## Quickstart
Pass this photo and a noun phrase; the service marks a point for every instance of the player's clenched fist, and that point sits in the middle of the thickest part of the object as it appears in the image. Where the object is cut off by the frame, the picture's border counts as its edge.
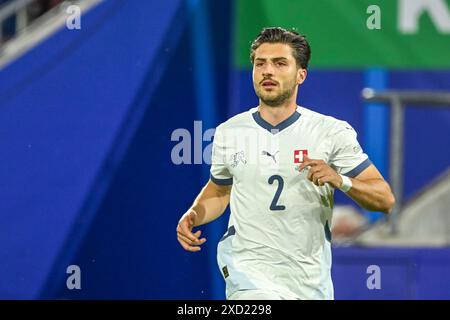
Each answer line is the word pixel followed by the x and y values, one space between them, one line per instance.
pixel 188 240
pixel 320 173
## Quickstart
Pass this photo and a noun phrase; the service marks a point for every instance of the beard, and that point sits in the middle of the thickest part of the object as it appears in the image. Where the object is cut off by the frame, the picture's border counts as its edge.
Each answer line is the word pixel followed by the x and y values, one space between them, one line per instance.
pixel 280 98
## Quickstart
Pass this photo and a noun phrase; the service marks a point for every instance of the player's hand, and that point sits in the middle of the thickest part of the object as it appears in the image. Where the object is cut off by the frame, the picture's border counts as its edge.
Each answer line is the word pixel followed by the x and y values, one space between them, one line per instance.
pixel 188 240
pixel 320 172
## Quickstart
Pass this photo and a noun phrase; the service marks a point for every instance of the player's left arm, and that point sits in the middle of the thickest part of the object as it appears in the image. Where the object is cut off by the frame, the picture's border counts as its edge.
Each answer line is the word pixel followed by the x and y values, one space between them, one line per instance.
pixel 369 189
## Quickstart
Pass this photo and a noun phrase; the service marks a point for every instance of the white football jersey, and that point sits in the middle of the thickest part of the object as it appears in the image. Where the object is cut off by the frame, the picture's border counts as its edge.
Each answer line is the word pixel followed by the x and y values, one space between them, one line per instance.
pixel 278 235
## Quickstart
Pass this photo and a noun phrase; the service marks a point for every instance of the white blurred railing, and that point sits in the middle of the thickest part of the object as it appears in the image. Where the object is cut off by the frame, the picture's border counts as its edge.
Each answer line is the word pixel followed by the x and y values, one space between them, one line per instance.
pixel 39 27
pixel 398 101
pixel 18 9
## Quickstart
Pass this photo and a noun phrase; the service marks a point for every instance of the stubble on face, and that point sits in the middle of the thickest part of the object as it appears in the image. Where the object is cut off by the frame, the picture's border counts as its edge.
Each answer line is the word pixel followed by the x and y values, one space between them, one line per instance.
pixel 273 99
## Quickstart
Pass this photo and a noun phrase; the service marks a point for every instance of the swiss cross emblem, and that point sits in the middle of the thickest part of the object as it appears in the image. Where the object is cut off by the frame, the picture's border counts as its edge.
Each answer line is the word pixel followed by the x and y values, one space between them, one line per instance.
pixel 299 154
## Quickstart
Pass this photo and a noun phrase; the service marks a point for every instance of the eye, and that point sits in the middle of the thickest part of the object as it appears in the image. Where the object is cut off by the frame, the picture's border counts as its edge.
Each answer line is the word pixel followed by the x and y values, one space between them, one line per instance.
pixel 281 63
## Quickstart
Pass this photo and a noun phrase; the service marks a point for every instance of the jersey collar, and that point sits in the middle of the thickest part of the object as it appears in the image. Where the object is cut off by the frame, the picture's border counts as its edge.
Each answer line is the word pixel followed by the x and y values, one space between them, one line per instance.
pixel 281 126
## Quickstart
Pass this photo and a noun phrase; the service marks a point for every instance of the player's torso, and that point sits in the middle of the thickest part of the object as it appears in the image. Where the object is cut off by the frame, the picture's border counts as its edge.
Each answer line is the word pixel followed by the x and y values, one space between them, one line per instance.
pixel 271 200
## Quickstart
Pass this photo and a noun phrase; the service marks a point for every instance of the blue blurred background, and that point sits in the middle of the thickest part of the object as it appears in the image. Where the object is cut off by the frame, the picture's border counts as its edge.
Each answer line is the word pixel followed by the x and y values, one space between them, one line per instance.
pixel 87 178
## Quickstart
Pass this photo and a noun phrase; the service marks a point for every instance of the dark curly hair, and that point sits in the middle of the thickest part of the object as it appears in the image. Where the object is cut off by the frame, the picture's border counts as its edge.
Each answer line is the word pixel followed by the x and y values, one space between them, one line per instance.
pixel 300 47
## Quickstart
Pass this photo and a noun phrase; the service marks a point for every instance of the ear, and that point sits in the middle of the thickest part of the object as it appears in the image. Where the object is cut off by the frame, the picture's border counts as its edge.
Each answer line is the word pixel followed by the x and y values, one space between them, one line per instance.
pixel 301 75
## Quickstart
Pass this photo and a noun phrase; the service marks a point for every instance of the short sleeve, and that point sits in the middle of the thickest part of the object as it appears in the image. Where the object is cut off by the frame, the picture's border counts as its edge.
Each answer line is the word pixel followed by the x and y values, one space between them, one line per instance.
pixel 219 171
pixel 347 157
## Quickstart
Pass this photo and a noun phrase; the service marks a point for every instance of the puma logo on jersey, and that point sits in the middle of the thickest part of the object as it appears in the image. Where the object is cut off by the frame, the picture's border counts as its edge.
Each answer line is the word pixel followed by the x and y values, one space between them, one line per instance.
pixel 266 153
pixel 237 158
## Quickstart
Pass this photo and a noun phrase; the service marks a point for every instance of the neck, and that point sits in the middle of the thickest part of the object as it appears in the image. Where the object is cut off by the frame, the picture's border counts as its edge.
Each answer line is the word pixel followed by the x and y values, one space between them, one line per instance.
pixel 277 114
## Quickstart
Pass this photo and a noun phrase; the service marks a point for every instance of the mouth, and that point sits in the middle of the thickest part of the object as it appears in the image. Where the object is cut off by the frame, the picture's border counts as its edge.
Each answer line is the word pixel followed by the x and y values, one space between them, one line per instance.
pixel 268 84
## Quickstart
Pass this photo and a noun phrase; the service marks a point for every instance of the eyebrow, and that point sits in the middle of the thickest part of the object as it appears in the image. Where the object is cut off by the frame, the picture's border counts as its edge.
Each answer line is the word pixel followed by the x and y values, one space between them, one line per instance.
pixel 273 59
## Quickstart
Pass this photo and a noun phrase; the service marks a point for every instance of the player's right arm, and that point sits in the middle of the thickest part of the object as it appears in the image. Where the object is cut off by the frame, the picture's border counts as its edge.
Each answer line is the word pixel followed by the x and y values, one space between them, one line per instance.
pixel 210 204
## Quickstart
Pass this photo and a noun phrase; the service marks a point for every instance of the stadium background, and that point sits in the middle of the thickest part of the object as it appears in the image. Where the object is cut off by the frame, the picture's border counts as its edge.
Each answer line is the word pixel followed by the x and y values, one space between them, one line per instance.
pixel 87 117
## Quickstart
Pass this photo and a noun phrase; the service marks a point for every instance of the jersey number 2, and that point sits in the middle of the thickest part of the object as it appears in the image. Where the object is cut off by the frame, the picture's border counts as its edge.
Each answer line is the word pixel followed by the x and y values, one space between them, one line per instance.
pixel 274 206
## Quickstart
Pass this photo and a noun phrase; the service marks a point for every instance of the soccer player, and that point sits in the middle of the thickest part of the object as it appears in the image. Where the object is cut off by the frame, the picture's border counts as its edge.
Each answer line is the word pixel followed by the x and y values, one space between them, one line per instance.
pixel 278 165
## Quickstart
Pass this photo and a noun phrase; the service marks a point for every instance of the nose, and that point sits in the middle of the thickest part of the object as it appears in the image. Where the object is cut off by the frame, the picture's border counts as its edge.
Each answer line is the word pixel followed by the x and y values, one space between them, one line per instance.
pixel 268 70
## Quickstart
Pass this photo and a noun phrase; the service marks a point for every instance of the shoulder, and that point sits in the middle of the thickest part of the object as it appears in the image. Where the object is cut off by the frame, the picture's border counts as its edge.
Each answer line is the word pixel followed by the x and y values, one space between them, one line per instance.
pixel 327 123
pixel 240 120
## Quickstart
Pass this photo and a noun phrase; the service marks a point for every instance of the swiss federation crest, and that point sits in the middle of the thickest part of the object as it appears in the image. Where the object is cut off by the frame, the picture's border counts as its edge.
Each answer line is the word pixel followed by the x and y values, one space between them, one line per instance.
pixel 299 156
pixel 237 158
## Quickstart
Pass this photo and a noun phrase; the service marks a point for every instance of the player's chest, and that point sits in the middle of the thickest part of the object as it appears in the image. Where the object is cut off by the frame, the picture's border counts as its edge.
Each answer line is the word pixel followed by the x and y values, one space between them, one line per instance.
pixel 270 155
